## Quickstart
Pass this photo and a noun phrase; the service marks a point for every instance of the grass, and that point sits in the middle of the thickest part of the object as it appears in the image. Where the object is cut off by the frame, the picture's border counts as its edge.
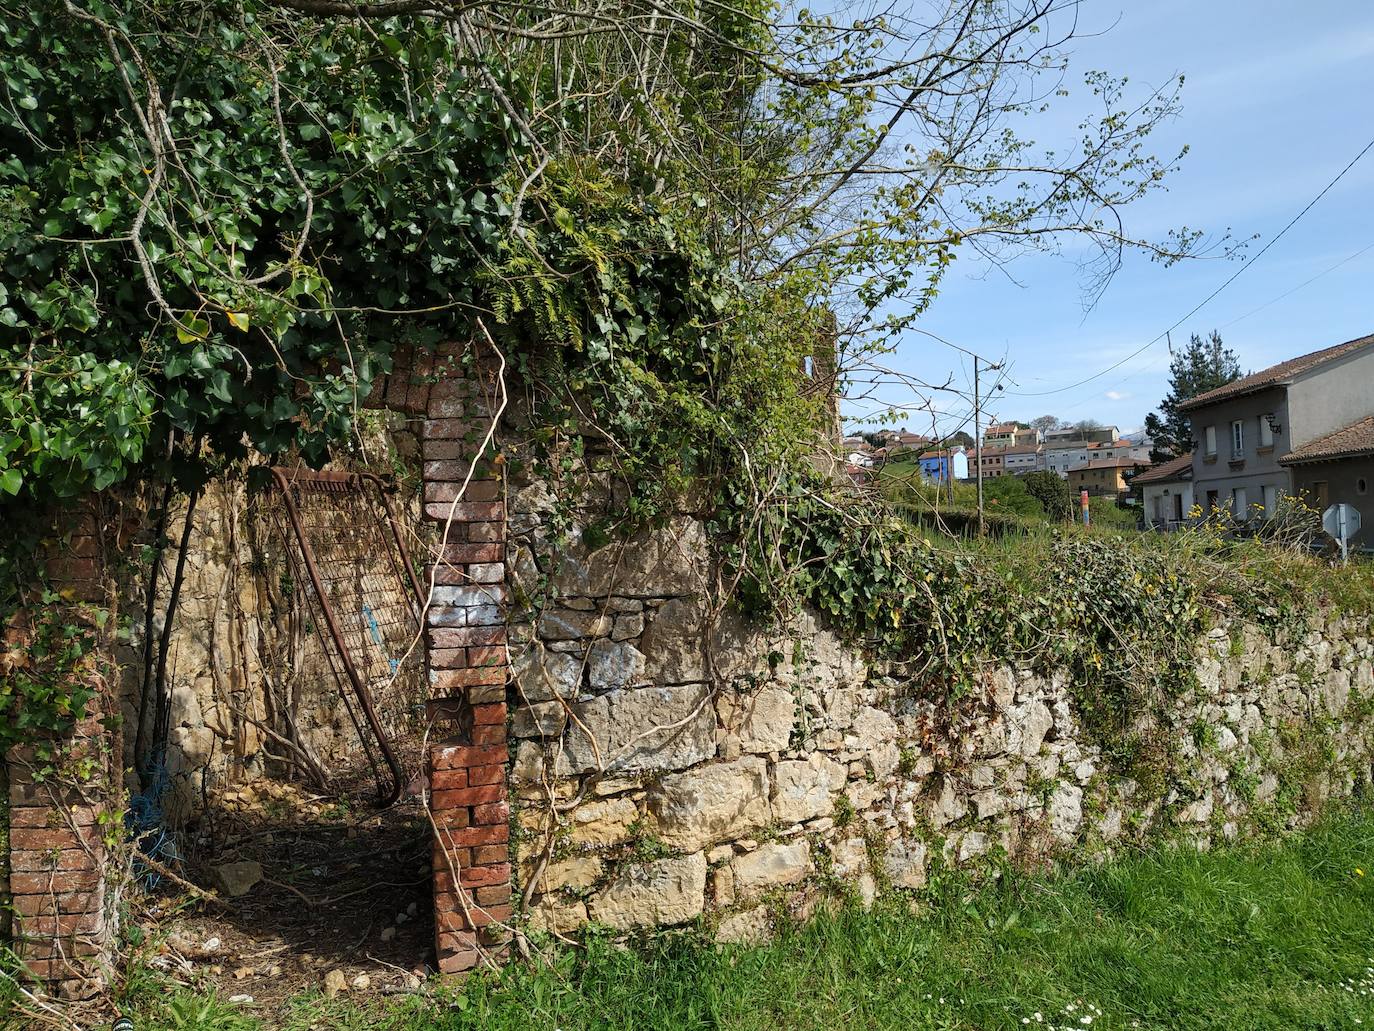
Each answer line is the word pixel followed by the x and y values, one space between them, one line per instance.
pixel 1246 938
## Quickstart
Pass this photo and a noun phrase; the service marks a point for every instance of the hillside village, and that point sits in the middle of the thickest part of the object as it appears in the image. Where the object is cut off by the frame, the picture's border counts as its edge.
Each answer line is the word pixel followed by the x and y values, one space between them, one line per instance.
pixel 1302 429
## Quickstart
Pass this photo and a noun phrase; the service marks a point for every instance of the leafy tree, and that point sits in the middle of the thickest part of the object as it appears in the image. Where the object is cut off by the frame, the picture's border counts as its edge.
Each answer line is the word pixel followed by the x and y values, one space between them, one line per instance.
pixel 1010 496
pixel 1052 492
pixel 1201 366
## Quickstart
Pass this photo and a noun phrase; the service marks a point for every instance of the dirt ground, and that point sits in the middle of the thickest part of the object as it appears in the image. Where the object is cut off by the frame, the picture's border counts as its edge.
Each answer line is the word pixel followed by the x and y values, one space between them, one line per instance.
pixel 343 902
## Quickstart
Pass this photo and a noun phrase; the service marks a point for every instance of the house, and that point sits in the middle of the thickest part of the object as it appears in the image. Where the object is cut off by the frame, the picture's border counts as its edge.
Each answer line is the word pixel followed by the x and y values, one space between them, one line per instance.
pixel 1020 459
pixel 1009 434
pixel 1167 493
pixel 1339 469
pixel 991 462
pixel 1060 456
pixel 1242 430
pixel 1071 435
pixel 1102 476
pixel 945 465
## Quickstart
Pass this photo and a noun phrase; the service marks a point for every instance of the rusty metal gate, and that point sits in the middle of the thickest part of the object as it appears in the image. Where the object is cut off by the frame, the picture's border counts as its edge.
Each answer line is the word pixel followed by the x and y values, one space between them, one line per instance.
pixel 347 572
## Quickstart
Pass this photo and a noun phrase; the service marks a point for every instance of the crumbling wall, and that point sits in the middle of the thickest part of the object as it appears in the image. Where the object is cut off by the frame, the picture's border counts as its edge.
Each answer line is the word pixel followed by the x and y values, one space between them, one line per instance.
pixel 247 677
pixel 673 764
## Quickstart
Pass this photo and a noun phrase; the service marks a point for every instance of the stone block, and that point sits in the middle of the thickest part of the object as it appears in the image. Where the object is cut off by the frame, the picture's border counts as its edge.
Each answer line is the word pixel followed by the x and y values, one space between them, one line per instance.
pixel 641 730
pixel 805 788
pixel 711 804
pixel 771 865
pixel 759 721
pixel 662 892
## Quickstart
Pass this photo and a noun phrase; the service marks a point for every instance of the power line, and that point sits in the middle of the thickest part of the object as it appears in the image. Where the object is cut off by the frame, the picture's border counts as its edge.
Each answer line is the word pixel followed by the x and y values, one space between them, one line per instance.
pixel 1212 296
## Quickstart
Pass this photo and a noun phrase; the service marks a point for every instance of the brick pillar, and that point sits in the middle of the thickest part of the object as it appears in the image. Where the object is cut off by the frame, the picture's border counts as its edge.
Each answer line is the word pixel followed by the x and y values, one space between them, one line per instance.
pixel 63 802
pixel 468 671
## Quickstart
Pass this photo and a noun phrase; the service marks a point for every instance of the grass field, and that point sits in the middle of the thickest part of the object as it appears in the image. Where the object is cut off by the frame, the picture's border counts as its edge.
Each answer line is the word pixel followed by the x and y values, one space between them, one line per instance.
pixel 1278 936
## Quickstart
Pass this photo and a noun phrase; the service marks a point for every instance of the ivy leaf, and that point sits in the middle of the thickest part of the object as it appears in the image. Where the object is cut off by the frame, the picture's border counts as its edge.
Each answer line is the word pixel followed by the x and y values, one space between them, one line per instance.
pixel 11 480
pixel 239 320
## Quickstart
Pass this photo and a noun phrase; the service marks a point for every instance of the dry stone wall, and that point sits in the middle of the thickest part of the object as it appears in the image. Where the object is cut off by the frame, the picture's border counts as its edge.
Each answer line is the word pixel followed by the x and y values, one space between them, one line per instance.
pixel 673 765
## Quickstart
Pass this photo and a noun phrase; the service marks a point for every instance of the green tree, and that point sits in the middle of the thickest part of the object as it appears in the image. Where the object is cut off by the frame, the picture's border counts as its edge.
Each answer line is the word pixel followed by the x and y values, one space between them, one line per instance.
pixel 1201 366
pixel 1052 492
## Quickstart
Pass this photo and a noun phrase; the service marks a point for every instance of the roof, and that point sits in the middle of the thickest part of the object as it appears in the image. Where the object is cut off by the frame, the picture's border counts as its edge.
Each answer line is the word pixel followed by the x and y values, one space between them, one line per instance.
pixel 1021 449
pixel 1180 468
pixel 1108 463
pixel 1275 375
pixel 1356 439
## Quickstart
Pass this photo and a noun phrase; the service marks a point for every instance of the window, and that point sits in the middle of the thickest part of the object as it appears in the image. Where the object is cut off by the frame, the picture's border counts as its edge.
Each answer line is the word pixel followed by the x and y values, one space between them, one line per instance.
pixel 1210 439
pixel 1321 492
pixel 1266 431
pixel 1238 503
pixel 1211 501
pixel 1237 438
pixel 1361 486
pixel 1271 501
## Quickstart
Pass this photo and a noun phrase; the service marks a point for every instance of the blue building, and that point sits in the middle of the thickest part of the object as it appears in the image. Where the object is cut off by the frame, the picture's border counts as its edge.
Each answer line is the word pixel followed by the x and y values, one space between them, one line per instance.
pixel 942 466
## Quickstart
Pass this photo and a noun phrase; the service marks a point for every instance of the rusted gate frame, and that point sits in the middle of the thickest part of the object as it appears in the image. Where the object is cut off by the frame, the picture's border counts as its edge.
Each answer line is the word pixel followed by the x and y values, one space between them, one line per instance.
pixel 345 483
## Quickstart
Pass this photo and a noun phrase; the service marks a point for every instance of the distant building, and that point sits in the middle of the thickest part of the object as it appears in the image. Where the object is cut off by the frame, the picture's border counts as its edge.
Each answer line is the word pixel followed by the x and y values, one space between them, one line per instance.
pixel 1073 435
pixel 1022 458
pixel 991 460
pixel 1008 434
pixel 1102 476
pixel 1167 493
pixel 944 465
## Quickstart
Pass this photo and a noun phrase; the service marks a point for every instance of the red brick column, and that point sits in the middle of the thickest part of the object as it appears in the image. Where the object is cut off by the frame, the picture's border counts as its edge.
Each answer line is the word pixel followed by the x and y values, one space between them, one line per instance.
pixel 63 802
pixel 468 669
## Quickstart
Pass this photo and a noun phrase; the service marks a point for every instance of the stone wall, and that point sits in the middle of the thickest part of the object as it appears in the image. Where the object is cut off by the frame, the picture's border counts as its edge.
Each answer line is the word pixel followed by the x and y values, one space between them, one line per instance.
pixel 250 685
pixel 672 764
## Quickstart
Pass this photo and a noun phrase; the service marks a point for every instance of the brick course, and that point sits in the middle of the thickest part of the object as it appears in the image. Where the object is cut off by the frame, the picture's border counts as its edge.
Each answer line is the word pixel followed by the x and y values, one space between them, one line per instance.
pixel 468 672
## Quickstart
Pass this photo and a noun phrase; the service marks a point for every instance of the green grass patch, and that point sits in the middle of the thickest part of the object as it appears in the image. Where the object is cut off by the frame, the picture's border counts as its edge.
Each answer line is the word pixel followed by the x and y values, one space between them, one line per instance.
pixel 1276 936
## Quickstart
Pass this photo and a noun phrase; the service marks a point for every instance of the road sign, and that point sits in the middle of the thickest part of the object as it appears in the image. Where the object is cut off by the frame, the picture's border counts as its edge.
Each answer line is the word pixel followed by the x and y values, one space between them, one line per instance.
pixel 1342 522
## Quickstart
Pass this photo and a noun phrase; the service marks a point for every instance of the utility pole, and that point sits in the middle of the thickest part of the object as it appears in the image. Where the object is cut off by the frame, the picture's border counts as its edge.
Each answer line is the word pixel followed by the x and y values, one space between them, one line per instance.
pixel 978 446
pixel 978 434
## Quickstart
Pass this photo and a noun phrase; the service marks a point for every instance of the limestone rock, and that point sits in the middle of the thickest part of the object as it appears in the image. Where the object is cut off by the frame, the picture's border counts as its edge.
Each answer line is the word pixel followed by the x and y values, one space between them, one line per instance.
pixel 575 872
pixel 1027 727
pixel 713 803
pixel 545 676
pixel 772 864
pixel 613 665
pixel 603 822
pixel 653 564
pixel 905 864
pixel 804 789
pixel 1066 811
pixel 557 917
pixel 540 719
pixel 760 721
pixel 236 879
pixel 641 730
pixel 752 927
pixel 665 891
pixel 674 643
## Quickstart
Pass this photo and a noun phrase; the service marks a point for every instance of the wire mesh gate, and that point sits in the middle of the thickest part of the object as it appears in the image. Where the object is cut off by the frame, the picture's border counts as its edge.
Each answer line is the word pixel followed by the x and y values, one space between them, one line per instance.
pixel 354 602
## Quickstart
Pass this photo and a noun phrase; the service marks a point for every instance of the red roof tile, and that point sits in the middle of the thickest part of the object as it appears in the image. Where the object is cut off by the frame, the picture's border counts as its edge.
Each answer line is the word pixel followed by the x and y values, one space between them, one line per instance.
pixel 1276 374
pixel 1356 439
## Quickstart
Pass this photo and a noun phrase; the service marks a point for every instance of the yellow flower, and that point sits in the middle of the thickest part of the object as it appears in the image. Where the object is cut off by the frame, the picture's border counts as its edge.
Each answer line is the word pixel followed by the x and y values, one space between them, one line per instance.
pixel 1359 872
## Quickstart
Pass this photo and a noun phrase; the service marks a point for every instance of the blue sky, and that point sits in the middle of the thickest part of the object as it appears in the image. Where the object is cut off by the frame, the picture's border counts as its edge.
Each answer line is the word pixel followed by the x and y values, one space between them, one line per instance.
pixel 1279 97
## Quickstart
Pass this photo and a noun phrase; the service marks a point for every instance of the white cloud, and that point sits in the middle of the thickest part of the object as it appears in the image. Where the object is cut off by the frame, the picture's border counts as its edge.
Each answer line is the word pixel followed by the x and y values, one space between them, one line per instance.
pixel 1116 395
